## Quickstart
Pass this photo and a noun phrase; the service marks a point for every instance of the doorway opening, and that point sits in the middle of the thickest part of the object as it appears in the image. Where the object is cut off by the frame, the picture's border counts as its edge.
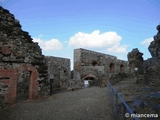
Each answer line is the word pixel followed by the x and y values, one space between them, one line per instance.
pixel 94 63
pixel 112 68
pixel 23 85
pixel 92 79
pixel 121 68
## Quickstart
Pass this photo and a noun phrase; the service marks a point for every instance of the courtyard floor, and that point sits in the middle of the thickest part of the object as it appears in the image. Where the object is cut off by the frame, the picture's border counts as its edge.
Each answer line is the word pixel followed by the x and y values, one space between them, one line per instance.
pixel 84 104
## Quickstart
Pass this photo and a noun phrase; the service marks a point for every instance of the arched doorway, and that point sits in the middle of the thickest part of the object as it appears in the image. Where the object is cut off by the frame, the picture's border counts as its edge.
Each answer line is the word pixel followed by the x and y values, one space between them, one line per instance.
pixel 112 67
pixel 121 68
pixel 93 80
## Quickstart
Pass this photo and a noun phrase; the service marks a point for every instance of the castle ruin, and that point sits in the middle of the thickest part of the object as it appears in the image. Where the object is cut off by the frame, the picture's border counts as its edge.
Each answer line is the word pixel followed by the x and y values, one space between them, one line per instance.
pixel 26 74
pixel 97 67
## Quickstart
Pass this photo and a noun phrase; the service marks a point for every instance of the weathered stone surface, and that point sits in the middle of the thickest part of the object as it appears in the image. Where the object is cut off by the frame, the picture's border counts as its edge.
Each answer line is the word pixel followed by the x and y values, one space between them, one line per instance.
pixel 116 78
pixel 150 77
pixel 19 53
pixel 6 59
pixel 15 39
pixel 6 50
pixel 74 84
pixel 3 89
pixel 98 64
pixel 152 65
pixel 154 47
pixel 135 60
pixel 152 71
pixel 59 68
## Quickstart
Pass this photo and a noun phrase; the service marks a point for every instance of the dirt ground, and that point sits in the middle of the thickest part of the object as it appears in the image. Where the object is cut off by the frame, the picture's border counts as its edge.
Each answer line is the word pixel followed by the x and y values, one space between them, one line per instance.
pixel 141 98
pixel 84 104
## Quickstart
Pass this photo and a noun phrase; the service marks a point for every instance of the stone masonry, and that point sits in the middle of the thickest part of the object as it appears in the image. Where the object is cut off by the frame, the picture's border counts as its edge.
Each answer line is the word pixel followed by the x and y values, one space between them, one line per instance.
pixel 59 69
pixel 135 61
pixel 148 70
pixel 152 65
pixel 147 77
pixel 26 74
pixel 95 66
pixel 21 62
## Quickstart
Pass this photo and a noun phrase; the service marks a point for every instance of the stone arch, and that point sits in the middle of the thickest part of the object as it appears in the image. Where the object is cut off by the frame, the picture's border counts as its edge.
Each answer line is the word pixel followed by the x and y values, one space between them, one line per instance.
pixel 93 80
pixel 90 76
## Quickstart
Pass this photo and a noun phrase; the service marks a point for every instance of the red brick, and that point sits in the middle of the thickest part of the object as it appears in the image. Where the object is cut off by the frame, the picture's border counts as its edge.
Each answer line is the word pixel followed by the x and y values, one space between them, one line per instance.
pixel 12 82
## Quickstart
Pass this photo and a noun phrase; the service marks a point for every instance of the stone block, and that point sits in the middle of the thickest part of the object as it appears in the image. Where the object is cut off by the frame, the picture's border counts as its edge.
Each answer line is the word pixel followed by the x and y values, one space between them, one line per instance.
pixel 6 50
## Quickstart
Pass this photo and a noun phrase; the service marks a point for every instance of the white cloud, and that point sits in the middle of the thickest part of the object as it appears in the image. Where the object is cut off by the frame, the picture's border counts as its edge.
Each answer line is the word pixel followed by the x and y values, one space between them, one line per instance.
pixel 108 40
pixel 53 44
pixel 118 49
pixel 146 42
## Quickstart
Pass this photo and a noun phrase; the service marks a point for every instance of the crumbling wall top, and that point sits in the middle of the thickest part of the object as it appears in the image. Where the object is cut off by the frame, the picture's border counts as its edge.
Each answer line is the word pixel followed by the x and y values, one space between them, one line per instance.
pixel 16 45
pixel 154 47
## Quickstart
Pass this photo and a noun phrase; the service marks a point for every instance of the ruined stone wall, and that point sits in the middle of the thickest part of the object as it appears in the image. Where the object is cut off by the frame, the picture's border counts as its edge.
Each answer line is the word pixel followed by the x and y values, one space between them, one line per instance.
pixel 152 65
pixel 21 61
pixel 95 63
pixel 60 69
pixel 148 70
pixel 135 61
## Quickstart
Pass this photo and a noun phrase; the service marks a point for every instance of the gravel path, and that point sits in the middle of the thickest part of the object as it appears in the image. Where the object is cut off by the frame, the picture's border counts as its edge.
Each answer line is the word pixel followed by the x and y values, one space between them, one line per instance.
pixel 84 104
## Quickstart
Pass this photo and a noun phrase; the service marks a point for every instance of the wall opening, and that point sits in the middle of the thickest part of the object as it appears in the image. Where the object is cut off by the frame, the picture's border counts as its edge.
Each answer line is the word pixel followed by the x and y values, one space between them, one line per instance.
pixel 4 78
pixel 92 79
pixel 89 78
pixel 94 63
pixel 112 68
pixel 23 86
pixel 121 68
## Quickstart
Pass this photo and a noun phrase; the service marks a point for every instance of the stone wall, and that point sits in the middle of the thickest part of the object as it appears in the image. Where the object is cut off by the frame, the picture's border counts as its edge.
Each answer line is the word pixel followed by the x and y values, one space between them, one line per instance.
pixel 100 65
pixel 148 70
pixel 147 77
pixel 22 65
pixel 135 60
pixel 152 65
pixel 60 69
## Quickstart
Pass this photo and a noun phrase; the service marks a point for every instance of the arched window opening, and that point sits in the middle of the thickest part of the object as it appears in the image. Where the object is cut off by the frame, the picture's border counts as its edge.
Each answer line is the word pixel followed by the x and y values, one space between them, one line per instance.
pixel 112 67
pixel 89 78
pixel 94 63
pixel 121 68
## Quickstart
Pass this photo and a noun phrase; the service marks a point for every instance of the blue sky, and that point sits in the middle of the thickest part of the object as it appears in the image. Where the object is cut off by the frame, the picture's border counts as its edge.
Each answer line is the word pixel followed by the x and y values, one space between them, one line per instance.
pixel 109 26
